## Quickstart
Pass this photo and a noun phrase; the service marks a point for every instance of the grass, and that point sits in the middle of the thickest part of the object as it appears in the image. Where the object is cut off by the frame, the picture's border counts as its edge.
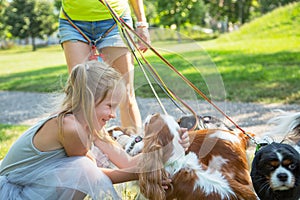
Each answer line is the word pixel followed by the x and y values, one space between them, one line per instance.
pixel 261 61
pixel 258 63
pixel 40 71
pixel 260 76
pixel 9 134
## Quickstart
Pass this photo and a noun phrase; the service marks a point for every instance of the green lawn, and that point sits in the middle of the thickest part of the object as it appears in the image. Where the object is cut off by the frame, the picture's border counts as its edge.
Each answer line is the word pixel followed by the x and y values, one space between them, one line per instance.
pixel 8 134
pixel 257 70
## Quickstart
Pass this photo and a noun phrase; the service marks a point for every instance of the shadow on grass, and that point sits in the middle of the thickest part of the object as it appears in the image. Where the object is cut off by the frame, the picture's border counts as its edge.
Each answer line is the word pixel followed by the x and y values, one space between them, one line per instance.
pixel 265 78
pixel 261 77
pixel 42 80
pixel 247 77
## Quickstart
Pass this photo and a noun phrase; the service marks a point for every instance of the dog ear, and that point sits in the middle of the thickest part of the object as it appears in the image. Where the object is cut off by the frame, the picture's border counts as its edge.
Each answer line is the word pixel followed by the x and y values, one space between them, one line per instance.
pixel 152 168
pixel 256 159
pixel 155 152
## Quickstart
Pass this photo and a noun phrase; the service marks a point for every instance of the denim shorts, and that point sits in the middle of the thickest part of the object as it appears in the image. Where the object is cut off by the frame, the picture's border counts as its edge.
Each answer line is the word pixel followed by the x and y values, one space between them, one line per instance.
pixel 94 30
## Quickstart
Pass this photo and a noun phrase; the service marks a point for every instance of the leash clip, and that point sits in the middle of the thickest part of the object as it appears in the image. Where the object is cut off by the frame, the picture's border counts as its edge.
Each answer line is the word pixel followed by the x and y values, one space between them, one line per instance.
pixel 99 57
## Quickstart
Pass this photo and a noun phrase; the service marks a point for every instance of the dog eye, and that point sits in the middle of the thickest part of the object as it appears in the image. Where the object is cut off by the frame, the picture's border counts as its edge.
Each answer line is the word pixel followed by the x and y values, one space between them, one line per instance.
pixel 292 166
pixel 270 167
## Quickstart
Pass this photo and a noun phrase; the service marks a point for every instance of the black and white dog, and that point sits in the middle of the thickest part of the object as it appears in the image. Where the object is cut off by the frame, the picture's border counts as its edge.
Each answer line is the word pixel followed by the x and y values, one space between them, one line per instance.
pixel 275 169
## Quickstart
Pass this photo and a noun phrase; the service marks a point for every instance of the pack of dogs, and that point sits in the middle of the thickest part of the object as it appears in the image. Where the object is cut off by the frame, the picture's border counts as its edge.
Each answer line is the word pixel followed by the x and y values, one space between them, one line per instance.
pixel 216 165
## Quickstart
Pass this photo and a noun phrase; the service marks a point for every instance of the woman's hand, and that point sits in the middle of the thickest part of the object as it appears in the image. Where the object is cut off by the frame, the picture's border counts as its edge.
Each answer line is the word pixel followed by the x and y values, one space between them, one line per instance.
pixel 143 32
pixel 185 139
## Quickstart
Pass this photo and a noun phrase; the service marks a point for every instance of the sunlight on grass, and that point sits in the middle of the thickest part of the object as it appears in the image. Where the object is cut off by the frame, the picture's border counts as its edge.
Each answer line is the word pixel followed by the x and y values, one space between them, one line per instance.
pixel 249 61
pixel 23 59
pixel 9 134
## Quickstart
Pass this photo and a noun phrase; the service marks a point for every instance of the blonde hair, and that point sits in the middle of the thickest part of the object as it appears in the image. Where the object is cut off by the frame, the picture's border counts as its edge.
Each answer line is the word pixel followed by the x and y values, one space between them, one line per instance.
pixel 88 83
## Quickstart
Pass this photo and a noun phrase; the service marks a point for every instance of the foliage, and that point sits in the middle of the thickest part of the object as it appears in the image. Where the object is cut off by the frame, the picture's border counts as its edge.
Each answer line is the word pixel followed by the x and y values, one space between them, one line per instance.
pixel 284 22
pixel 30 18
pixel 180 12
pixel 2 8
pixel 3 27
pixel 229 10
pixel 57 4
pixel 269 5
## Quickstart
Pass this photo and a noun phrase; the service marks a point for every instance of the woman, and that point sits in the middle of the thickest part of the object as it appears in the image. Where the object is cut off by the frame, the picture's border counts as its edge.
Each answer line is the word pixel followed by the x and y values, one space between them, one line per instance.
pixel 92 19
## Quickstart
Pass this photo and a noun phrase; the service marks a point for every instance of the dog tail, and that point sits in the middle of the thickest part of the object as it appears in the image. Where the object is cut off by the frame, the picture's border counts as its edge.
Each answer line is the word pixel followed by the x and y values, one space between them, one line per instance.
pixel 287 125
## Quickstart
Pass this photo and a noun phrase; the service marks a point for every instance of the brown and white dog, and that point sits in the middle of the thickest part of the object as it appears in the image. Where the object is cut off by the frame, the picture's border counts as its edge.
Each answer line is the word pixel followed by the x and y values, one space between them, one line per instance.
pixel 132 143
pixel 214 167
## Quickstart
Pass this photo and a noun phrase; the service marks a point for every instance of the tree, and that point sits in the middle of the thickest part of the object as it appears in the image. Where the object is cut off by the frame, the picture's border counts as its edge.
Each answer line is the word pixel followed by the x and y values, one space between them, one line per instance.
pixel 269 5
pixel 229 10
pixel 180 12
pixel 57 6
pixel 30 19
pixel 2 26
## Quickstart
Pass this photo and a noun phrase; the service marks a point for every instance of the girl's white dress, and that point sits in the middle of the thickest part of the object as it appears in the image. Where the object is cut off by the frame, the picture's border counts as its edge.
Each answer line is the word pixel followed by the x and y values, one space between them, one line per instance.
pixel 27 173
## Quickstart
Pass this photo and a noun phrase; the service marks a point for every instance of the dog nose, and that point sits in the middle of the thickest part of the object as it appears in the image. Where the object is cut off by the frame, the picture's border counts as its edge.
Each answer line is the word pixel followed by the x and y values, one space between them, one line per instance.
pixel 282 177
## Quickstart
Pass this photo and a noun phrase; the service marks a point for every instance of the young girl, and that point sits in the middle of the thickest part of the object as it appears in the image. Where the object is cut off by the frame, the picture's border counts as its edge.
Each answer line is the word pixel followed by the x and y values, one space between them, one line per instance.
pixel 54 159
pixel 95 21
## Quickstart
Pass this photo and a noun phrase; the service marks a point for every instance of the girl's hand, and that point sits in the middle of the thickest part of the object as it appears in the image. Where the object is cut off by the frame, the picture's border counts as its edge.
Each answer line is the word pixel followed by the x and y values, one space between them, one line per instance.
pixel 185 139
pixel 166 183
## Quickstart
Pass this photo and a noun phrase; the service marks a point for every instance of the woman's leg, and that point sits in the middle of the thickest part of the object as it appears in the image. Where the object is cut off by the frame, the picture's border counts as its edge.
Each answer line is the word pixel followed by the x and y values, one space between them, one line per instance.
pixel 76 52
pixel 121 59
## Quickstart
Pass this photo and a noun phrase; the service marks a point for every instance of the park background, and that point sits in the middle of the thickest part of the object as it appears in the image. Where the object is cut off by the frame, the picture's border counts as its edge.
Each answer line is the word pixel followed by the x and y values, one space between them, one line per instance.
pixel 252 45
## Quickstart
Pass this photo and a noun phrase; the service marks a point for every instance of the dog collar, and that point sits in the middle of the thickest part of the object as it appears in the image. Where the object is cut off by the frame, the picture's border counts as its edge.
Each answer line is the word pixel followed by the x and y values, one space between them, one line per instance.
pixel 259 145
pixel 137 139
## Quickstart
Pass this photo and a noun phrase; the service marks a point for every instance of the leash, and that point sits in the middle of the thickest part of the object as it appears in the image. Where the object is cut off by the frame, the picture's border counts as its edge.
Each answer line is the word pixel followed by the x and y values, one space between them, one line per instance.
pixel 92 43
pixel 122 24
pixel 172 96
pixel 124 27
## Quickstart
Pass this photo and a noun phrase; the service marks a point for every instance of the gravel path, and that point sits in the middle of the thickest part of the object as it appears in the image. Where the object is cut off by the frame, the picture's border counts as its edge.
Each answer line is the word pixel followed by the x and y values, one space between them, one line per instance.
pixel 27 108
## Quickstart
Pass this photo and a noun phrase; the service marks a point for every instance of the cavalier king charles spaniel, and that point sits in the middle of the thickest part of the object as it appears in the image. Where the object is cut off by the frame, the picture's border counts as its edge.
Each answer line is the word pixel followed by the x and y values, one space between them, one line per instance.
pixel 276 166
pixel 214 167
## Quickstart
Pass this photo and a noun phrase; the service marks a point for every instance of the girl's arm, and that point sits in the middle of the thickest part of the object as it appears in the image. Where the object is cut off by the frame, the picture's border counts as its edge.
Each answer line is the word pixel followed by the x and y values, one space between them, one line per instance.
pixel 118 155
pixel 127 165
pixel 124 161
pixel 119 176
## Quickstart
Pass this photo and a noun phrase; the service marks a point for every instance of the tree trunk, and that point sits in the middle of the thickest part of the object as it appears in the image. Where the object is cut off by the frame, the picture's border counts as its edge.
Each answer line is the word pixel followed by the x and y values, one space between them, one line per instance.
pixel 178 33
pixel 241 11
pixel 33 43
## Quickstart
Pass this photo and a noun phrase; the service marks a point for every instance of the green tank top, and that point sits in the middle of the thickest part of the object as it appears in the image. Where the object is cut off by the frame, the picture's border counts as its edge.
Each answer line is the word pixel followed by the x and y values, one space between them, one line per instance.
pixel 93 10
